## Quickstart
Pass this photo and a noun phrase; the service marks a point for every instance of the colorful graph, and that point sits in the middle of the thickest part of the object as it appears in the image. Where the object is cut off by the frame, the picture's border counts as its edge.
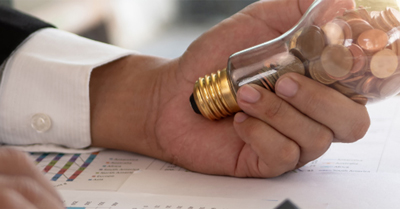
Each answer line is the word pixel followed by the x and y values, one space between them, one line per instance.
pixel 63 167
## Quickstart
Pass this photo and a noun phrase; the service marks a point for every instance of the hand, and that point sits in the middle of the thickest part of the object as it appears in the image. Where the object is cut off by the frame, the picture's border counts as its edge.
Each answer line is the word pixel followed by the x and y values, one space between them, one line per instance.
pixel 142 103
pixel 22 185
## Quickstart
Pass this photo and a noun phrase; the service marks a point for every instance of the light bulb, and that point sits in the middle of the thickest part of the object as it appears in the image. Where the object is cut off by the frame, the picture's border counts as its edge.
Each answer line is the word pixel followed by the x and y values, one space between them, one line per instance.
pixel 353 47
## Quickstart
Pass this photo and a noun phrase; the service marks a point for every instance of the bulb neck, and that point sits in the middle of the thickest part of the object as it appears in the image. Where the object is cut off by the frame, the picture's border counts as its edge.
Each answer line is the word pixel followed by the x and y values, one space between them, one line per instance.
pixel 213 96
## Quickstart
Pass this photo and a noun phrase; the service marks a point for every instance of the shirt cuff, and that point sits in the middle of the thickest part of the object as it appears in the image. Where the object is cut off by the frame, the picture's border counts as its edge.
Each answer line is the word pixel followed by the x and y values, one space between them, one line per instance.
pixel 44 92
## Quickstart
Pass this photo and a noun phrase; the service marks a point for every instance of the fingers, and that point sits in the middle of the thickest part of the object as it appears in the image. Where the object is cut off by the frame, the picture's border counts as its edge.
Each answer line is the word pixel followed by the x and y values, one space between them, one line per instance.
pixel 11 199
pixel 17 163
pixel 348 120
pixel 283 15
pixel 278 154
pixel 28 191
pixel 312 137
pixel 20 176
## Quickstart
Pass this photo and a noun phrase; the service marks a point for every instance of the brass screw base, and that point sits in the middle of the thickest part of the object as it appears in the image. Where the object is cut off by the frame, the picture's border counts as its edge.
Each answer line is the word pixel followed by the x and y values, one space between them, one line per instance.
pixel 214 96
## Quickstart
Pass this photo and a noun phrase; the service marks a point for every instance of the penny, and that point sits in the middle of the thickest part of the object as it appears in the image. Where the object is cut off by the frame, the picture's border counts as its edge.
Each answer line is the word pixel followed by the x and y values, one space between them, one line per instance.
pixel 364 14
pixel 364 84
pixel 293 40
pixel 343 89
pixel 368 84
pixel 337 61
pixel 317 73
pixel 334 33
pixel 359 56
pixel 352 79
pixel 383 22
pixel 351 14
pixel 390 86
pixel 360 99
pixel 294 65
pixel 393 16
pixel 374 20
pixel 311 42
pixel 384 63
pixel 373 40
pixel 358 26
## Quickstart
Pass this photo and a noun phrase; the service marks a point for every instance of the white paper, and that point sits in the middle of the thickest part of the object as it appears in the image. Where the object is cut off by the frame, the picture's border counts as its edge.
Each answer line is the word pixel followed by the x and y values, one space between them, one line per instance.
pixel 365 174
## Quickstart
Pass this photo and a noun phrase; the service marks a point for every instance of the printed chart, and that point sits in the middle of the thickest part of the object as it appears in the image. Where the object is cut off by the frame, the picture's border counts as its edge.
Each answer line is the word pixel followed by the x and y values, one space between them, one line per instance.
pixel 116 200
pixel 83 171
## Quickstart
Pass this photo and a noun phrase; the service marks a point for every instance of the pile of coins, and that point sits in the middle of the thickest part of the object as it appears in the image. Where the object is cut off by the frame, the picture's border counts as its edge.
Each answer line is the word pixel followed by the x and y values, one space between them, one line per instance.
pixel 356 53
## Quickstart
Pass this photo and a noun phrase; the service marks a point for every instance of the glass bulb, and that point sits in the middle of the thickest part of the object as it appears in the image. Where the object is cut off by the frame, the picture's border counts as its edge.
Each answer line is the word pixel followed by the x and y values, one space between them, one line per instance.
pixel 353 47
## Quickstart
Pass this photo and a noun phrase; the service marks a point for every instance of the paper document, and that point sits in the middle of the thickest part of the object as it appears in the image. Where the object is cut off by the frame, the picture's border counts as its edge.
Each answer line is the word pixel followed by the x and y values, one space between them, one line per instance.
pixel 365 174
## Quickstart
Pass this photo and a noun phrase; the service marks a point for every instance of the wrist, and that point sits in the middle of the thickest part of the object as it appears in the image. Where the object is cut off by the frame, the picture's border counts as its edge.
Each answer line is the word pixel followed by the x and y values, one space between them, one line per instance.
pixel 124 101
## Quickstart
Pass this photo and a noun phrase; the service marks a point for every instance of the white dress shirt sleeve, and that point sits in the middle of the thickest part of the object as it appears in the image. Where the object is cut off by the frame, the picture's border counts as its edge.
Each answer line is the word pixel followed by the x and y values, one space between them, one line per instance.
pixel 44 91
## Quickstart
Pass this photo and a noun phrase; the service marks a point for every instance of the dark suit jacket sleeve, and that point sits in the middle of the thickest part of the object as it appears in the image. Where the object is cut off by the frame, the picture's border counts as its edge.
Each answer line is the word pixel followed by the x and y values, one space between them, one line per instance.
pixel 15 27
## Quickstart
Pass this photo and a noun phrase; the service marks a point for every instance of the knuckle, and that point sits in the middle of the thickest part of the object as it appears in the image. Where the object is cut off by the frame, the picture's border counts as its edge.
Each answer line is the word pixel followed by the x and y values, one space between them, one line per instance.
pixel 323 140
pixel 359 129
pixel 289 154
pixel 274 108
pixel 312 103
pixel 251 131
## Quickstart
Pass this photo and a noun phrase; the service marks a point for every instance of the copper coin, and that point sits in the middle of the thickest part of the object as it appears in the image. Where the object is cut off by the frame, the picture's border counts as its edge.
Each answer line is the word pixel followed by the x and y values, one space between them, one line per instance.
pixel 298 54
pixel 351 14
pixel 337 31
pixel 334 33
pixel 317 73
pixel 383 22
pixel 295 65
pixel 364 14
pixel 352 79
pixel 374 20
pixel 384 63
pixel 337 61
pixel 397 42
pixel 373 40
pixel 360 99
pixel 360 59
pixel 368 84
pixel 358 26
pixel 393 16
pixel 343 89
pixel 311 42
pixel 390 86
pixel 293 40
pixel 364 84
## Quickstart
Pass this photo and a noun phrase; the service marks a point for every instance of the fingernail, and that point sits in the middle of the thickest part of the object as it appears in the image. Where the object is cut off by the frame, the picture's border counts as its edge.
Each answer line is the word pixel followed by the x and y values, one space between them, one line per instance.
pixel 248 94
pixel 287 87
pixel 240 117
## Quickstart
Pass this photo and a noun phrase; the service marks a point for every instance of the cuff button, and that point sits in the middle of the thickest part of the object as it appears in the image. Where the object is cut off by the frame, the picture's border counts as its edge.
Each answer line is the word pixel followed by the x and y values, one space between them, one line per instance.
pixel 41 122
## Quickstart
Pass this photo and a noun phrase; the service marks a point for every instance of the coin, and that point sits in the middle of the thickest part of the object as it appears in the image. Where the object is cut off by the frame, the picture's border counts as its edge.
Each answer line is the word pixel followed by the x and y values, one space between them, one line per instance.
pixel 390 86
pixel 358 26
pixel 383 22
pixel 360 99
pixel 311 42
pixel 364 14
pixel 351 14
pixel 393 16
pixel 294 65
pixel 293 40
pixel 384 63
pixel 337 31
pixel 334 33
pixel 343 89
pixel 337 61
pixel 360 59
pixel 373 40
pixel 317 73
